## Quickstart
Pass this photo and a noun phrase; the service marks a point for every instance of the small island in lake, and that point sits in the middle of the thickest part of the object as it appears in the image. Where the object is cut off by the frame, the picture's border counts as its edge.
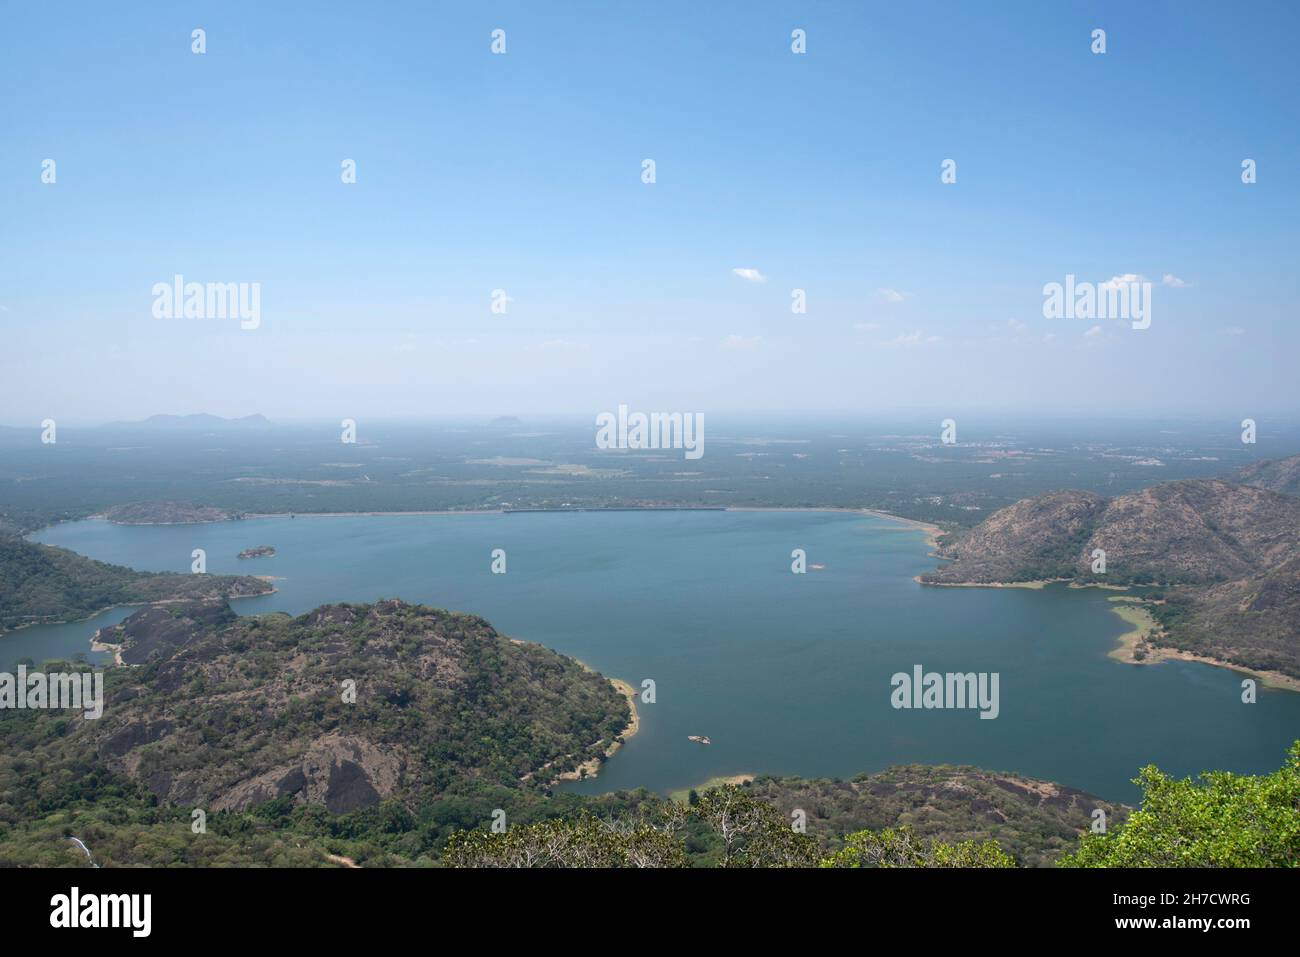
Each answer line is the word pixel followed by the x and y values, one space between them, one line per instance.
pixel 699 738
pixel 261 551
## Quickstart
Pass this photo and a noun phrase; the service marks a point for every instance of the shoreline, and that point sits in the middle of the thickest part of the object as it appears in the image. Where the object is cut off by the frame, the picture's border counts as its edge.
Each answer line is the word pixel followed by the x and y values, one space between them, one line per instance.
pixel 243 516
pixel 682 795
pixel 1035 585
pixel 932 531
pixel 443 511
pixel 116 649
pixel 137 604
pixel 591 767
pixel 1143 622
pixel 1127 642
pixel 113 649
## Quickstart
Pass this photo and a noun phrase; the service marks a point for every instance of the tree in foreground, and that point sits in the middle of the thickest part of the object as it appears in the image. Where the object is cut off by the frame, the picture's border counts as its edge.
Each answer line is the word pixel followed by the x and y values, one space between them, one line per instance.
pixel 583 842
pixel 900 847
pixel 753 832
pixel 1222 820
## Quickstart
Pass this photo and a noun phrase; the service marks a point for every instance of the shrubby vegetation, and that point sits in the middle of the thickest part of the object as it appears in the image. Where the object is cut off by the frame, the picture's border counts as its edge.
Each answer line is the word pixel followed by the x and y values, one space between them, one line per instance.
pixel 739 830
pixel 900 847
pixel 1222 820
pixel 346 706
pixel 1225 820
pixel 1033 821
pixel 40 583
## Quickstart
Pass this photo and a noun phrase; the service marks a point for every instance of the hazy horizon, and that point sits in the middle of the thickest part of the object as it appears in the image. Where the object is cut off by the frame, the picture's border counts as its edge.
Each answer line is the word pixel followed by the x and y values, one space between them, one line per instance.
pixel 907 417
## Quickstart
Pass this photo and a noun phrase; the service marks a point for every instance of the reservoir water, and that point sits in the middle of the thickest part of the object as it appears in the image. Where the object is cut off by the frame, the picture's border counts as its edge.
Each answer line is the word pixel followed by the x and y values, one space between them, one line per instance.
pixel 785 673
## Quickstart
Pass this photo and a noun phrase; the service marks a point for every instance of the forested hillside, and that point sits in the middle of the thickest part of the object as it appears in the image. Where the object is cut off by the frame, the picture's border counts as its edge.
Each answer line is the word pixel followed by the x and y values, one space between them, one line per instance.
pixel 41 583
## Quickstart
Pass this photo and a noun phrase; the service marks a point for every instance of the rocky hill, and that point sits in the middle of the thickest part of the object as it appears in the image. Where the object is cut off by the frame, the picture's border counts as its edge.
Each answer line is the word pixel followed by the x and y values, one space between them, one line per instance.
pixel 42 584
pixel 341 707
pixel 1226 555
pixel 1276 475
pixel 1036 538
pixel 1201 531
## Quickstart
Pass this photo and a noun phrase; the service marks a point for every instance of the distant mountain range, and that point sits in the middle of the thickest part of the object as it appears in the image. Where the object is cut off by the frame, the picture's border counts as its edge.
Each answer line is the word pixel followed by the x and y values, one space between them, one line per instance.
pixel 1226 556
pixel 199 422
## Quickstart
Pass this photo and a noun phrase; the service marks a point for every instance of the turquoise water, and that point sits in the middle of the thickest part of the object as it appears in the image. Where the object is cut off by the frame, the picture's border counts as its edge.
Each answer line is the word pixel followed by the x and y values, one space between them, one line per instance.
pixel 787 674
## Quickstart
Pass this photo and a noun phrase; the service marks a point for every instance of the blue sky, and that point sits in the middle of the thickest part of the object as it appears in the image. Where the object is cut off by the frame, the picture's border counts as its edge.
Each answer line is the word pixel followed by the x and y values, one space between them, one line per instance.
pixel 522 172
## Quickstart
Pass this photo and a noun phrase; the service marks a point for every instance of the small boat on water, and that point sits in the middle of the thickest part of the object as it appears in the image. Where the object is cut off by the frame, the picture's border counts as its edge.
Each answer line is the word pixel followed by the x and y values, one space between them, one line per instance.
pixel 699 738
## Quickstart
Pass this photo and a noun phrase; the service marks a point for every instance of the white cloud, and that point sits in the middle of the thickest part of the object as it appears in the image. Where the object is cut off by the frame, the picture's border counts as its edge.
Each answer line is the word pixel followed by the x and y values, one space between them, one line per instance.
pixel 1169 279
pixel 1129 277
pixel 892 295
pixel 749 275
pixel 563 345
pixel 734 343
pixel 911 339
pixel 866 326
pixel 1093 333
pixel 1234 331
pixel 1010 330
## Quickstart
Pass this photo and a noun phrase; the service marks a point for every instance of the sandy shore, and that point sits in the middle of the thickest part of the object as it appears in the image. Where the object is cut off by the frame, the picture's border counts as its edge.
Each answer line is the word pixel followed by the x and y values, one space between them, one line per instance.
pixel 114 650
pixel 683 794
pixel 630 693
pixel 591 767
pixel 1034 584
pixel 1143 623
pixel 458 511
pixel 932 531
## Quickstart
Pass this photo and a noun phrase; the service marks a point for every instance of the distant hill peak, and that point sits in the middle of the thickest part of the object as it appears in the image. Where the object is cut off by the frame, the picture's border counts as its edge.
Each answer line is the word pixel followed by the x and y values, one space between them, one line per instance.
pixel 1276 475
pixel 196 421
